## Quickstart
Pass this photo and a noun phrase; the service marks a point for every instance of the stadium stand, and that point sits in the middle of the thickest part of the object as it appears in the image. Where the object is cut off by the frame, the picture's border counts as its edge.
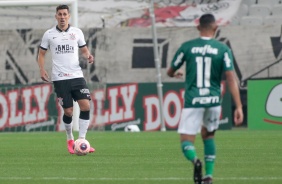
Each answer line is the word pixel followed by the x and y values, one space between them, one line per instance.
pixel 277 10
pixel 243 10
pixel 250 13
pixel 259 10
pixel 42 17
pixel 269 3
pixel 7 77
pixel 272 20
pixel 250 2
pixel 177 1
pixel 251 21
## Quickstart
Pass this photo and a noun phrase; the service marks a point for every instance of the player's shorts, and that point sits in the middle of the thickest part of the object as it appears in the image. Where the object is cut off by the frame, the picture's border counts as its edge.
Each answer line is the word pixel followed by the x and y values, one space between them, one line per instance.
pixel 71 89
pixel 193 118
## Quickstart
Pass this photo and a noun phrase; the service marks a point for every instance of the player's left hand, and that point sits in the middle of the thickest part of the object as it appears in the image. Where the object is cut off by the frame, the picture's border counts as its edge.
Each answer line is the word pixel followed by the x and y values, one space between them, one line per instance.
pixel 90 59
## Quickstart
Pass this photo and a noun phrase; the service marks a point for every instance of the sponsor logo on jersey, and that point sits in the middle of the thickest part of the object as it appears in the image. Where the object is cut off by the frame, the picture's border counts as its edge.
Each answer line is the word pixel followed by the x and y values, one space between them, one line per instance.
pixel 84 91
pixel 206 100
pixel 204 91
pixel 72 36
pixel 65 74
pixel 64 49
pixel 207 49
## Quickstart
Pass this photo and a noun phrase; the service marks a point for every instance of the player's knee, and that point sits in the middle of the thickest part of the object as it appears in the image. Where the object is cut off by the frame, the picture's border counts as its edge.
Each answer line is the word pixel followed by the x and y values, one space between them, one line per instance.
pixel 209 134
pixel 85 108
pixel 68 112
pixel 84 105
pixel 206 134
pixel 84 115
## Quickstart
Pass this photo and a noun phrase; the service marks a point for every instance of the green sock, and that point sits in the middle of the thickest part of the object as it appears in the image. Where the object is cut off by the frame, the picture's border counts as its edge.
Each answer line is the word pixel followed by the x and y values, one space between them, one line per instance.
pixel 209 147
pixel 188 150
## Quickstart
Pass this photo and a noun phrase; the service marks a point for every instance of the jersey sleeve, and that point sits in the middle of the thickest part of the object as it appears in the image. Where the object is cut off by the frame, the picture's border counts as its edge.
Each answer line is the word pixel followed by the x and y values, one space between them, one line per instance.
pixel 45 41
pixel 178 59
pixel 228 60
pixel 81 41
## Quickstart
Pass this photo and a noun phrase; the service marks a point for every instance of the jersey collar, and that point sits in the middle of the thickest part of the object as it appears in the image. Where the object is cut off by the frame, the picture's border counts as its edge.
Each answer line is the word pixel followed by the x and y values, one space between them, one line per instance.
pixel 206 38
pixel 62 30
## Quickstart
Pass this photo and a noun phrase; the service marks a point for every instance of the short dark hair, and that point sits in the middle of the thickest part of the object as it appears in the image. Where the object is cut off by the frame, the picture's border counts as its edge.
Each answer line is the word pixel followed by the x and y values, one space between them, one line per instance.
pixel 61 7
pixel 206 20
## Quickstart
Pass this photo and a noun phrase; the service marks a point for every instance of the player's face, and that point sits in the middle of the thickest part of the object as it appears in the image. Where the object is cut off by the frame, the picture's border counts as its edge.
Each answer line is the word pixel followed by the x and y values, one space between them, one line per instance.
pixel 62 17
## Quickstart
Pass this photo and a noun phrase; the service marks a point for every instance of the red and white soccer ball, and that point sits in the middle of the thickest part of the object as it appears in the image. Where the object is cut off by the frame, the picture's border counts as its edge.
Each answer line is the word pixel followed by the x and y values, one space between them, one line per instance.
pixel 81 147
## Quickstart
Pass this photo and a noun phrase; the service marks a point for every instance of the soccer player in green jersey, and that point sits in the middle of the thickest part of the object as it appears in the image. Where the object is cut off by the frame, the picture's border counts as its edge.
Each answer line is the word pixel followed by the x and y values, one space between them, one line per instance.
pixel 206 61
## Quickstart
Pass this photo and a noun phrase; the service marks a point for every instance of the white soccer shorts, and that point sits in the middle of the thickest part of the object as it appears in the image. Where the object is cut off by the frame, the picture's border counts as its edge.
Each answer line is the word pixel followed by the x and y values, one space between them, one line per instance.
pixel 193 118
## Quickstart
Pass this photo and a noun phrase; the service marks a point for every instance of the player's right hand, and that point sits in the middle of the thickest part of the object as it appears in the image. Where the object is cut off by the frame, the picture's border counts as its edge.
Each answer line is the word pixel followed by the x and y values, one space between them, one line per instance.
pixel 238 116
pixel 44 76
pixel 178 74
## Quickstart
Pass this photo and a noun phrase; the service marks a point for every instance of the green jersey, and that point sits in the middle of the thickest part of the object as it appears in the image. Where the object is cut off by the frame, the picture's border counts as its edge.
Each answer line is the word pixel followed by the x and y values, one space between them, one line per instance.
pixel 206 60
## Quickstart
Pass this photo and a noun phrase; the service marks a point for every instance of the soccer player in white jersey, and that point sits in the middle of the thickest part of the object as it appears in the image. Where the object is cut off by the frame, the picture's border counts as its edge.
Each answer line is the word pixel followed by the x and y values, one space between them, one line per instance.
pixel 206 61
pixel 64 42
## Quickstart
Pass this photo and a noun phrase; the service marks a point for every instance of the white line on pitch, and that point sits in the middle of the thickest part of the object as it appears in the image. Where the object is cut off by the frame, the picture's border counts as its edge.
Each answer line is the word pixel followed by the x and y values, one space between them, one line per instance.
pixel 142 179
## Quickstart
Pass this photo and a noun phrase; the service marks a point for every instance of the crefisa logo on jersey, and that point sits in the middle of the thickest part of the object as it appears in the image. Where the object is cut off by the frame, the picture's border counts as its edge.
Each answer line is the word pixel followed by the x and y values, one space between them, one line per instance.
pixel 72 36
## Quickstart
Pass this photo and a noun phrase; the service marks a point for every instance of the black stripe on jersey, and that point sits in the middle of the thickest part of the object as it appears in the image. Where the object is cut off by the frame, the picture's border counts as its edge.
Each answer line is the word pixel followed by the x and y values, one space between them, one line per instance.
pixel 43 48
pixel 82 46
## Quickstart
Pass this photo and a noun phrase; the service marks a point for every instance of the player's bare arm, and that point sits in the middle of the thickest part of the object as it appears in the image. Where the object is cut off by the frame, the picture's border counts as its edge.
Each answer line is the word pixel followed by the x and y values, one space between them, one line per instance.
pixel 234 90
pixel 172 73
pixel 41 59
pixel 86 54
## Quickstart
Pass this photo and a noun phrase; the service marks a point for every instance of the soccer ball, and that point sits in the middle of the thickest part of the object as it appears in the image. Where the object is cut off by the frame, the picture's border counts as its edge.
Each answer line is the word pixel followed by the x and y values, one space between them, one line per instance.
pixel 131 128
pixel 81 147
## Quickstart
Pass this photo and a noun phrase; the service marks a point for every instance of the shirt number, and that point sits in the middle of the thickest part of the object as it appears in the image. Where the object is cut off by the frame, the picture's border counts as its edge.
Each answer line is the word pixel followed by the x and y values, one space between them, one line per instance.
pixel 203 71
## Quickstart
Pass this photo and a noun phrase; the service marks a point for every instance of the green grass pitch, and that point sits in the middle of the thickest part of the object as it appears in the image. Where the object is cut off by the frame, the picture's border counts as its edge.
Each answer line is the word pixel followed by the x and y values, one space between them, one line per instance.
pixel 243 157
